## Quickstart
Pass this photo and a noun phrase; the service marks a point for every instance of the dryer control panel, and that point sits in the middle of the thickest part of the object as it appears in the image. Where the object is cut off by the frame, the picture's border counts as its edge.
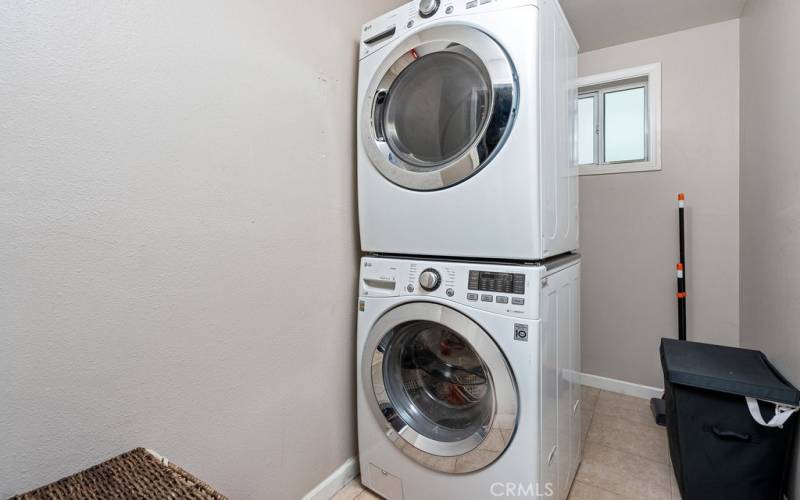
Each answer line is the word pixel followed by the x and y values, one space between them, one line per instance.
pixel 418 13
pixel 505 289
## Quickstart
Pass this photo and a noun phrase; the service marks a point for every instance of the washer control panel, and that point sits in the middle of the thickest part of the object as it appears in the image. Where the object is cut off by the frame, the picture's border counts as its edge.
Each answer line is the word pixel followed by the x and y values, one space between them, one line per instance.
pixel 500 288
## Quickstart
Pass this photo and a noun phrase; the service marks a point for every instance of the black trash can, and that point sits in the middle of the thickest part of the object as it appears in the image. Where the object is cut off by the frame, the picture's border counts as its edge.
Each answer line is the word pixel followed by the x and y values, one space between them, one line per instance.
pixel 714 397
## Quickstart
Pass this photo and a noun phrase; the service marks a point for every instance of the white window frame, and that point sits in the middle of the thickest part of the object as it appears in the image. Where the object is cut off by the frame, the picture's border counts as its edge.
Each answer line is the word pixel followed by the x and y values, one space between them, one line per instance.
pixel 652 73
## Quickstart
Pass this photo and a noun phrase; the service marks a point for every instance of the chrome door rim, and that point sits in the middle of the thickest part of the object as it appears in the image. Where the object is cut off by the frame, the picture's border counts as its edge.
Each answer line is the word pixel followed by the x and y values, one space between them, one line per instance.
pixel 483 50
pixel 420 448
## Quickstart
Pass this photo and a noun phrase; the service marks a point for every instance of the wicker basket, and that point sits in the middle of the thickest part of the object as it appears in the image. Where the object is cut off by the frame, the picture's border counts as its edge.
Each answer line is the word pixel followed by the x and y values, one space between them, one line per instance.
pixel 137 474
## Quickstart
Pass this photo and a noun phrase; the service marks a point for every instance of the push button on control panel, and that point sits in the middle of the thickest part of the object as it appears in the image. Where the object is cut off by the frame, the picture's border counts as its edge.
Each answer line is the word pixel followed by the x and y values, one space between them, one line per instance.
pixel 487 298
pixel 501 299
pixel 518 301
pixel 472 296
pixel 521 332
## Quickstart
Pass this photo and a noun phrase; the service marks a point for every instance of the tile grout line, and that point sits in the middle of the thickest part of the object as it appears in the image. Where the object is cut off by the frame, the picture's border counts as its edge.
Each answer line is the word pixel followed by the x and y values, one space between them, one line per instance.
pixel 633 425
pixel 669 481
pixel 668 486
pixel 605 489
pixel 651 425
pixel 585 440
pixel 626 420
pixel 588 430
pixel 627 452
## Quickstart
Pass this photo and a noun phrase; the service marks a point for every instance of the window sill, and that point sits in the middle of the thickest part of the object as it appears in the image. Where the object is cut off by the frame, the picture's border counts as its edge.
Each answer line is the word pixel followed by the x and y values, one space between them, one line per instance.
pixel 619 168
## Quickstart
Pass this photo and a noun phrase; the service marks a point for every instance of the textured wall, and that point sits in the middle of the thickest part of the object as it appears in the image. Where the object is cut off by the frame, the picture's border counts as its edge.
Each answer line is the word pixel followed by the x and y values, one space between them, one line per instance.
pixel 178 238
pixel 770 185
pixel 629 221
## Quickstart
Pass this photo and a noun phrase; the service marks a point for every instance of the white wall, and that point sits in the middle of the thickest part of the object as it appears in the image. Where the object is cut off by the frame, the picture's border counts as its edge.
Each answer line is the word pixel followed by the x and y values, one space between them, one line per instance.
pixel 178 238
pixel 770 191
pixel 629 223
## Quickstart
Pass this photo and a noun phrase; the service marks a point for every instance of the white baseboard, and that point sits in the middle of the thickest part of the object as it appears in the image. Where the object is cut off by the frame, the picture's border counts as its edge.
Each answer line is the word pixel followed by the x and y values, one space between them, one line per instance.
pixel 621 386
pixel 335 482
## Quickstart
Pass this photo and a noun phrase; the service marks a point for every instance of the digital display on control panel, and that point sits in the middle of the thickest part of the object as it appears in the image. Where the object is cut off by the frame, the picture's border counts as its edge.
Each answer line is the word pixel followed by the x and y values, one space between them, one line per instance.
pixel 496 282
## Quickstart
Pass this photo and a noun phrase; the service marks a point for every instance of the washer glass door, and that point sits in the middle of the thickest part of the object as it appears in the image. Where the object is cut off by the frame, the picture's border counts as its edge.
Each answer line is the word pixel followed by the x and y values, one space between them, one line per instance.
pixel 439 108
pixel 442 386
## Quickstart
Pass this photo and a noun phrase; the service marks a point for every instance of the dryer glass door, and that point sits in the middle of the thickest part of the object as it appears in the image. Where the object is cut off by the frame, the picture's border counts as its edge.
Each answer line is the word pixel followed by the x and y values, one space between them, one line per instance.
pixel 442 386
pixel 439 108
pixel 436 108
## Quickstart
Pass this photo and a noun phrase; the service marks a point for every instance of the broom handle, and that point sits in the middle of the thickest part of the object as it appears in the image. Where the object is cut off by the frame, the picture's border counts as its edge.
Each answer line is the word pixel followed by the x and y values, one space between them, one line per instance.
pixel 681 270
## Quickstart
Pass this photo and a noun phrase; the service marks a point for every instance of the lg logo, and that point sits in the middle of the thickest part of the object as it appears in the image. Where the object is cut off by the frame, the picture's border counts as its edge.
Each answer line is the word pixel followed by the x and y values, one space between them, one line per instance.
pixel 517 490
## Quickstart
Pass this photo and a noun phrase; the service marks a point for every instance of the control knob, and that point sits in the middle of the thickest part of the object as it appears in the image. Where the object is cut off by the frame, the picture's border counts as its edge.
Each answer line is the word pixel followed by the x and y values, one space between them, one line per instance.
pixel 427 8
pixel 430 280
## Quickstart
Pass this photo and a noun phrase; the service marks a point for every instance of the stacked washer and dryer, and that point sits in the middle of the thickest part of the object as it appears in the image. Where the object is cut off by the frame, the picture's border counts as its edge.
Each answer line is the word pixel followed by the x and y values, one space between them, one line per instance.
pixel 468 345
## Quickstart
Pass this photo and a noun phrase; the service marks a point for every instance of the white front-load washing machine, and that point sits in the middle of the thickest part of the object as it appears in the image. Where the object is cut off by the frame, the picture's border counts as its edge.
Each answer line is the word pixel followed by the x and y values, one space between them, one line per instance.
pixel 465 136
pixel 468 382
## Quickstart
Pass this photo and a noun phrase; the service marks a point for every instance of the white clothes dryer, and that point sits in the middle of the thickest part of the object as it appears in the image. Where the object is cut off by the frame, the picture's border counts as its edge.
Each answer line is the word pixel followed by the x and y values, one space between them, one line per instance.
pixel 466 123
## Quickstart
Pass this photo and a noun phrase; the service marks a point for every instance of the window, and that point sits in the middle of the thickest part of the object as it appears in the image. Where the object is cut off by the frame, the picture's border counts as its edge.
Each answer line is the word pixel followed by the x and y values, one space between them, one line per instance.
pixel 587 129
pixel 619 118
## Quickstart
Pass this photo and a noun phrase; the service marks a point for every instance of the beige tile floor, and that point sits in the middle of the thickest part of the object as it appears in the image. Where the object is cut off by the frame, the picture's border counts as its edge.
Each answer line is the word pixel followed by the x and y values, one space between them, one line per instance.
pixel 625 454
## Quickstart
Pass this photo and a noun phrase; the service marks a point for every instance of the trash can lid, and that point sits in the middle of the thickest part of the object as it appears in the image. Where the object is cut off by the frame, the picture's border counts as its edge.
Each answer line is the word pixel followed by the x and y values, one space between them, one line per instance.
pixel 731 370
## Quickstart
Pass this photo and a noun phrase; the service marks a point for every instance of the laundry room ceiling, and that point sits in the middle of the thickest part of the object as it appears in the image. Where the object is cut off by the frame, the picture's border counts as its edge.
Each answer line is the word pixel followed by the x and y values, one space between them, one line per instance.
pixel 603 23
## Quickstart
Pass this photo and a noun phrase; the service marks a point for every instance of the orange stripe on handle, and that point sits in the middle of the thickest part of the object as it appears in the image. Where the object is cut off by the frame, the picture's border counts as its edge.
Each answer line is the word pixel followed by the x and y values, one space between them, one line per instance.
pixel 681 196
pixel 681 295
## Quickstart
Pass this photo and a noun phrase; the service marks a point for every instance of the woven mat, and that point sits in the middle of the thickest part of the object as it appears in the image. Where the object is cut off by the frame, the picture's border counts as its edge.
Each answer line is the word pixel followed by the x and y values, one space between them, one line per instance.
pixel 136 474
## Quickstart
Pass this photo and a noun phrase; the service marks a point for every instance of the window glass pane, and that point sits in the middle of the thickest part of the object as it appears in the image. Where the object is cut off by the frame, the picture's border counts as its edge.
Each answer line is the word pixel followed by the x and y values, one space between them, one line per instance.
pixel 625 125
pixel 586 130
